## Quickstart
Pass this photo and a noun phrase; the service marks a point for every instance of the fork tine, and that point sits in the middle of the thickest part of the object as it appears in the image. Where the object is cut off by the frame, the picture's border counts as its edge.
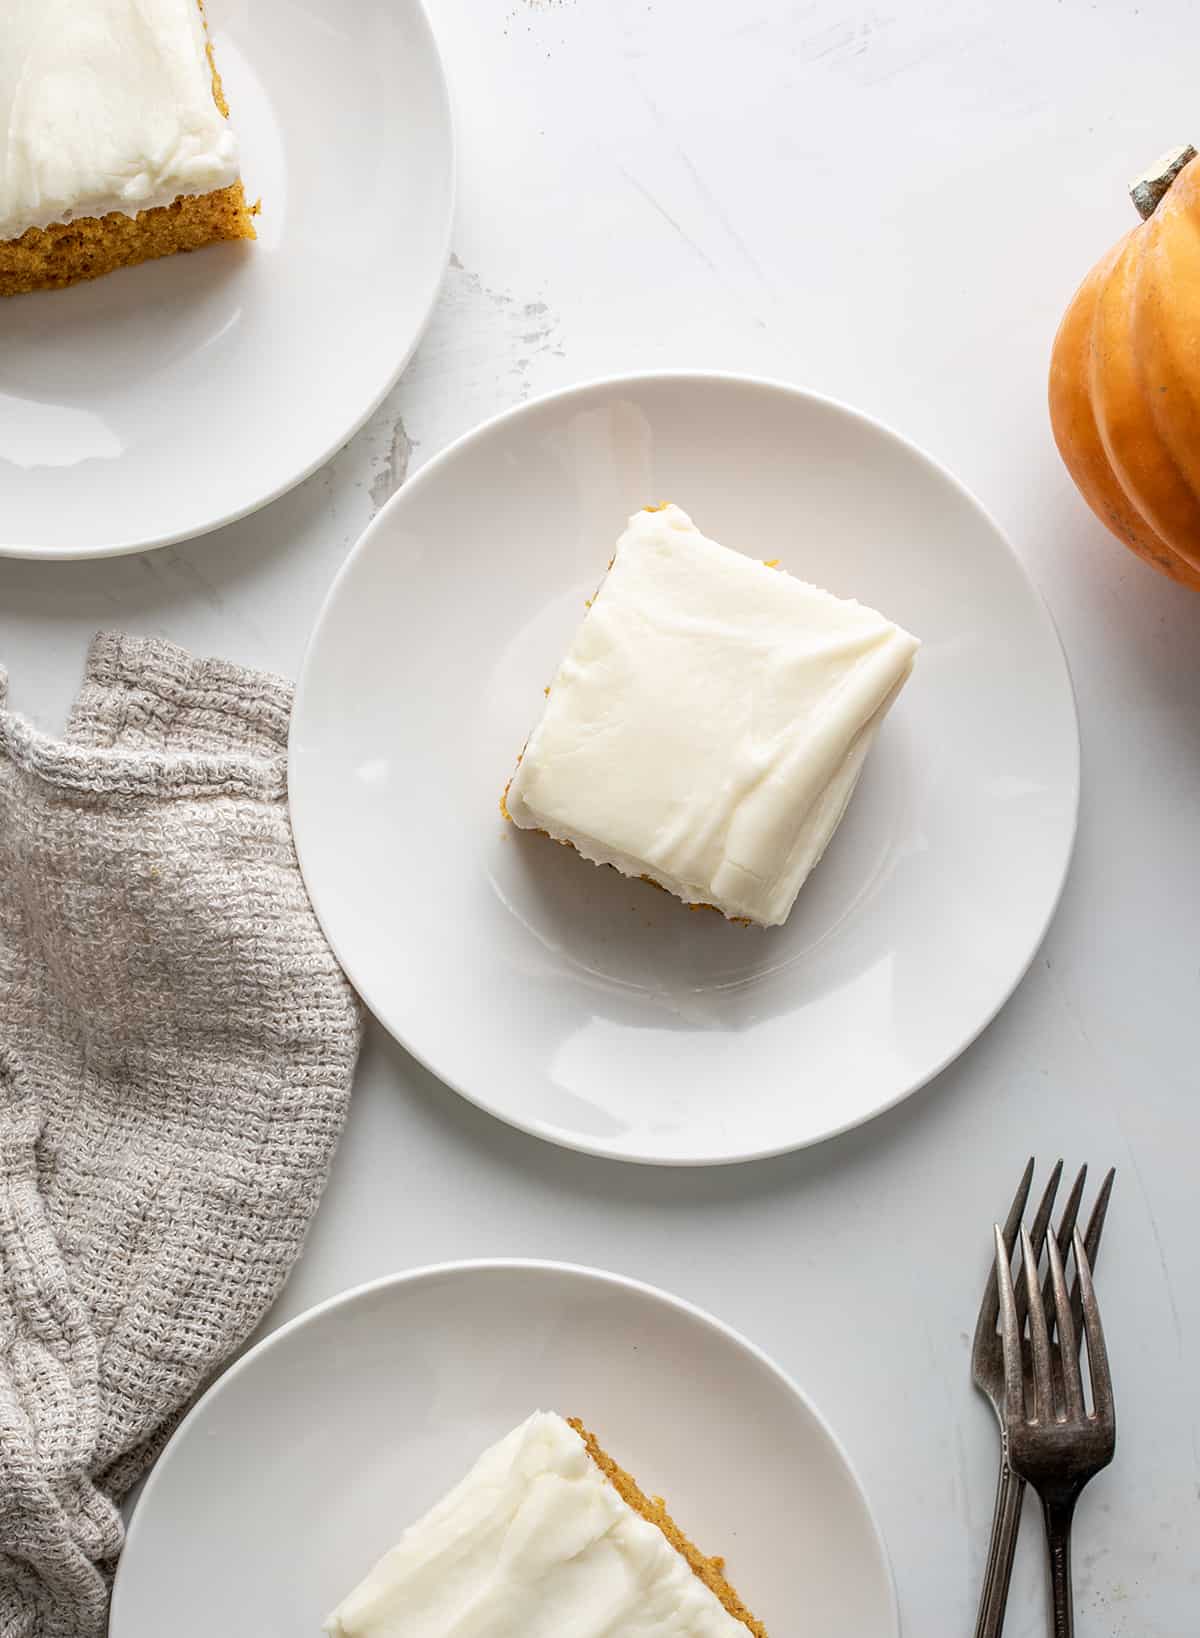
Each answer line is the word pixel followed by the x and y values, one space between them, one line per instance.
pixel 1091 1244
pixel 1043 1391
pixel 1010 1334
pixel 1016 1211
pixel 1102 1395
pixel 1070 1214
pixel 1095 1228
pixel 1068 1350
pixel 1066 1228
pixel 1041 1223
pixel 989 1308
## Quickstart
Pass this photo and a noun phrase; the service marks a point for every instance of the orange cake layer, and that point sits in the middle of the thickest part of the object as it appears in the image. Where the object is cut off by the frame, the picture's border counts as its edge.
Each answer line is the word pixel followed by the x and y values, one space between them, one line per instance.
pixel 709 1570
pixel 65 253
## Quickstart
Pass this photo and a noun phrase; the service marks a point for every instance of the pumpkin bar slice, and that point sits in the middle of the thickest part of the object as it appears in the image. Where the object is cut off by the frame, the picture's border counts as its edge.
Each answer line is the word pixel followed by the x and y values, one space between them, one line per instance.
pixel 545 1536
pixel 709 722
pixel 116 145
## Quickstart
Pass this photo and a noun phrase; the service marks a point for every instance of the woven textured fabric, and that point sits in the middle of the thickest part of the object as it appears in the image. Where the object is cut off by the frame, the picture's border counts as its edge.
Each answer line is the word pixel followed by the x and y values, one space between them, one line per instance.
pixel 177 1045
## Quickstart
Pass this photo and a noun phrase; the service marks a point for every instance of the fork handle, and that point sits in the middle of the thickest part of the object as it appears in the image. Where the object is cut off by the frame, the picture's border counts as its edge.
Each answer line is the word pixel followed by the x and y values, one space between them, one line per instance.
pixel 1006 1521
pixel 1059 1511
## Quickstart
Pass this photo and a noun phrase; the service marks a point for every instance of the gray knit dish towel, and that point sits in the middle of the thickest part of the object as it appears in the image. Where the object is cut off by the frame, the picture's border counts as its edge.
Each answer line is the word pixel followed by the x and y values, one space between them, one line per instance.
pixel 176 1049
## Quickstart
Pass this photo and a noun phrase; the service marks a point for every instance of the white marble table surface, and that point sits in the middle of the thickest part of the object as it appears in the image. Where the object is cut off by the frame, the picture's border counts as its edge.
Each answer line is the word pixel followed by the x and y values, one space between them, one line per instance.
pixel 889 203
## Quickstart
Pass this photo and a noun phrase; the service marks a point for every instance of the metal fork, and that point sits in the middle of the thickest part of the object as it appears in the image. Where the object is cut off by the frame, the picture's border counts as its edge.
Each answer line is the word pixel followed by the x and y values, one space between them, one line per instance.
pixel 1056 1444
pixel 987 1365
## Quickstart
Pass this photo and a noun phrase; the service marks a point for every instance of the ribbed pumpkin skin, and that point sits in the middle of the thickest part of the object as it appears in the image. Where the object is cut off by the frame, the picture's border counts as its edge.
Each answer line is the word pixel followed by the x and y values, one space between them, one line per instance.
pixel 1125 385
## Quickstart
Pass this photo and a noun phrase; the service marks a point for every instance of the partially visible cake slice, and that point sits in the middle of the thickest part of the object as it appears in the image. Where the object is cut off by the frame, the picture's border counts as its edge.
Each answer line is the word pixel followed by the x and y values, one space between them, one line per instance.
pixel 546 1537
pixel 116 142
pixel 709 722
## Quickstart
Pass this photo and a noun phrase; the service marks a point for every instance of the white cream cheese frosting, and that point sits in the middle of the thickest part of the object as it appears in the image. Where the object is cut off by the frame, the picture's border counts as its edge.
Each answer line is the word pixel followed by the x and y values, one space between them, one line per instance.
pixel 534 1542
pixel 709 721
pixel 105 105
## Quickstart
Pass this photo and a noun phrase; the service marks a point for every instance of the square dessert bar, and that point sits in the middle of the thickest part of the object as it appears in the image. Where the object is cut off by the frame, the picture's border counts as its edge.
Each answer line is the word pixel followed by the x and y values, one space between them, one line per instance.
pixel 709 722
pixel 546 1536
pixel 117 146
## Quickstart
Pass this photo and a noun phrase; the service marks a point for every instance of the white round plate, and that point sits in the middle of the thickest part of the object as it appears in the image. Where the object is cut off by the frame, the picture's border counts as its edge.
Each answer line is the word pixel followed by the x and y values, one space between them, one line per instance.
pixel 307 1459
pixel 165 400
pixel 599 1012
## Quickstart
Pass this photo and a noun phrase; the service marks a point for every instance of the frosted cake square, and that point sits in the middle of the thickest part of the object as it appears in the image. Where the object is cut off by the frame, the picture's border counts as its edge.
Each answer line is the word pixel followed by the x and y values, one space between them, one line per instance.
pixel 709 722
pixel 546 1537
pixel 116 141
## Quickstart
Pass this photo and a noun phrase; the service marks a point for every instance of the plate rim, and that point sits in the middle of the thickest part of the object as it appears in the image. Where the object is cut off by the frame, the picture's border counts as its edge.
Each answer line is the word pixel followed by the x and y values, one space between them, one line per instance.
pixel 127 548
pixel 501 1265
pixel 608 384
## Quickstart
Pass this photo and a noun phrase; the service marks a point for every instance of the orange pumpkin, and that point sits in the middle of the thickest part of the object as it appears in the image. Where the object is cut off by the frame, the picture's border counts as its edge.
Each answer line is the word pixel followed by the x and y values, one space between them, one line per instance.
pixel 1125 376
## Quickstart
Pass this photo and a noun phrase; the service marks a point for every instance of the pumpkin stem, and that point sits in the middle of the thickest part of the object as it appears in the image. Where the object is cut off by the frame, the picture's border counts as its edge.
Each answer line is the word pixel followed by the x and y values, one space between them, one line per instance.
pixel 1147 191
